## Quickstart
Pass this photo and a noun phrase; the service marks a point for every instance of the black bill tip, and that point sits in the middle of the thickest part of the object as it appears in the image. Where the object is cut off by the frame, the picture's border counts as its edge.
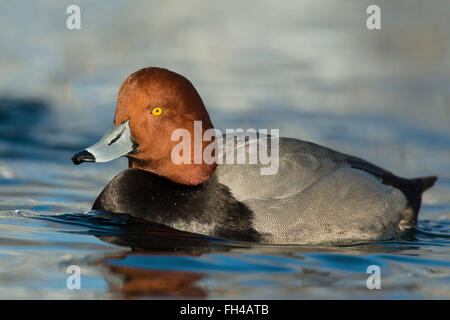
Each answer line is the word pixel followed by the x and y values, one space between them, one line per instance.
pixel 83 156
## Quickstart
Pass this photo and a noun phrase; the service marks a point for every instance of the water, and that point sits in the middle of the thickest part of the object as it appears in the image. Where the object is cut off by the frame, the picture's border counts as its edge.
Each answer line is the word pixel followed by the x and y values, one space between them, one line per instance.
pixel 308 68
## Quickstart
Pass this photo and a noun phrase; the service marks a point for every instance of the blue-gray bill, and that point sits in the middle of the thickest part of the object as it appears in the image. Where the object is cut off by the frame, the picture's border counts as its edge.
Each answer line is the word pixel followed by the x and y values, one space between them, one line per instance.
pixel 116 143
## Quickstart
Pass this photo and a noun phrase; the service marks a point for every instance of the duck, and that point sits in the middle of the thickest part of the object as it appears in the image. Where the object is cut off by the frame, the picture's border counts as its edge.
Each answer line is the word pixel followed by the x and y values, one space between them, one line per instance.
pixel 317 195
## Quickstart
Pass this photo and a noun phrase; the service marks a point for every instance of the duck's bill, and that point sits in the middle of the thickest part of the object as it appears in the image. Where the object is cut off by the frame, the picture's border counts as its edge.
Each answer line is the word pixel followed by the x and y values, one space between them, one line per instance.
pixel 116 143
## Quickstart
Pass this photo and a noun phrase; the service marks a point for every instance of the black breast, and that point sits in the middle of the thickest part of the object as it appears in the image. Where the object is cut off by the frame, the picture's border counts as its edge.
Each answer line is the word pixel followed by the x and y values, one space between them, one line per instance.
pixel 208 208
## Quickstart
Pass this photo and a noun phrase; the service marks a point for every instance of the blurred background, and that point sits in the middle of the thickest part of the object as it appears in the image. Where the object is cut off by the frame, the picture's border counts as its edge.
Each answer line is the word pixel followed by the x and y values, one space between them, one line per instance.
pixel 310 68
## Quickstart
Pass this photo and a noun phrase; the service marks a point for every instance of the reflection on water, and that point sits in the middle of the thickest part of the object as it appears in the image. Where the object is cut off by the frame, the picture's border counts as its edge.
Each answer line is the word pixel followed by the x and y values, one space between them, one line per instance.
pixel 153 261
pixel 142 283
pixel 308 68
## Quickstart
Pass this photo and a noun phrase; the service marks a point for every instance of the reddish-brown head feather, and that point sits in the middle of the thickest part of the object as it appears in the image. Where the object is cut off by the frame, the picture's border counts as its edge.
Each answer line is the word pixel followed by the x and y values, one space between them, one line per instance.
pixel 181 104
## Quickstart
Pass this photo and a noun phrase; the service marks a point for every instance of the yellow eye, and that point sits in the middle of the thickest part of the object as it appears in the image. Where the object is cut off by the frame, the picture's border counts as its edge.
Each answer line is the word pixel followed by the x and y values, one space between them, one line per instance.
pixel 157 111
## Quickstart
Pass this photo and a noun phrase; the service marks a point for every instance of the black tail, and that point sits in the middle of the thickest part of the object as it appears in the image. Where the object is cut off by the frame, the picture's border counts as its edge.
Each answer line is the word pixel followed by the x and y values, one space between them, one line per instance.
pixel 412 189
pixel 426 182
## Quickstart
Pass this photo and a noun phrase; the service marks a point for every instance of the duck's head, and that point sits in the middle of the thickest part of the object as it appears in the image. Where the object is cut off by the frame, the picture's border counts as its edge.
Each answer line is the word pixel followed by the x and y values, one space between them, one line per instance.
pixel 152 103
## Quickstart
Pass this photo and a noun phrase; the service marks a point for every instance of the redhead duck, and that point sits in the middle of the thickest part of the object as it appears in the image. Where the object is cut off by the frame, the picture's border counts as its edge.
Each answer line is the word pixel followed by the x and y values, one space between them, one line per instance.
pixel 317 194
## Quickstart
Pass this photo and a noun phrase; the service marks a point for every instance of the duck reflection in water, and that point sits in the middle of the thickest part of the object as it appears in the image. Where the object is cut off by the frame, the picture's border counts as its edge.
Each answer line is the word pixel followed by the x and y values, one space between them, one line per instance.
pixel 148 241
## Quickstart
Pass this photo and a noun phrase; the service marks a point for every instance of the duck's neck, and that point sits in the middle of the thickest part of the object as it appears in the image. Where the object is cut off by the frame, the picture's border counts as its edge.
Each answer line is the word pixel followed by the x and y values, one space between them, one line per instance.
pixel 187 174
